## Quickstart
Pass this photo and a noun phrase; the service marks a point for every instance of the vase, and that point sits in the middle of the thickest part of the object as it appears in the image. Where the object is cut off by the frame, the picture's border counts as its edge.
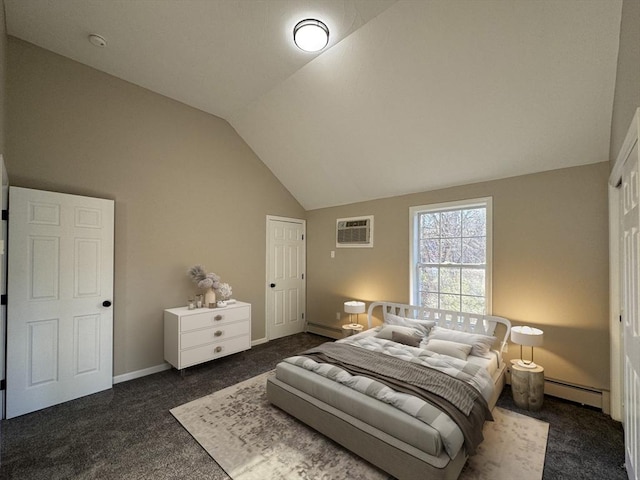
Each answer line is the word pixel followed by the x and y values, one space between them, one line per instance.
pixel 210 298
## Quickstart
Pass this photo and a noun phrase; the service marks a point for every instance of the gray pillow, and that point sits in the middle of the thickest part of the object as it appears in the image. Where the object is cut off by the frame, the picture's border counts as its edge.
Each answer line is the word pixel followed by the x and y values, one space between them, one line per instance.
pixel 386 332
pixel 405 339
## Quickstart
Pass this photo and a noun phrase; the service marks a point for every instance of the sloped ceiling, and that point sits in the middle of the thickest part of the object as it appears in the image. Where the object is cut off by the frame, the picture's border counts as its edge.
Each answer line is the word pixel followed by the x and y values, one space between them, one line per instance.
pixel 410 95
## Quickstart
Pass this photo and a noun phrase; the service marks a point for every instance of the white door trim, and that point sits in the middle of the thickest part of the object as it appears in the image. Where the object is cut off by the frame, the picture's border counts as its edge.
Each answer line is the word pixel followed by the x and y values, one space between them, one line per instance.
pixel 267 287
pixel 615 330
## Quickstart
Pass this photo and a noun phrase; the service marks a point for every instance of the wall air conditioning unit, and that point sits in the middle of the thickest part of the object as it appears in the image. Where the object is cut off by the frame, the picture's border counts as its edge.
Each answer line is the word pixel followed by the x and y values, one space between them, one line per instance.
pixel 356 232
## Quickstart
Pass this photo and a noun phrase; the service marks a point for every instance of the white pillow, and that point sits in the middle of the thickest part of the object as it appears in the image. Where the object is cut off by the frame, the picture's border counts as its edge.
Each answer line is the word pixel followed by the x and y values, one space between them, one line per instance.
pixel 386 331
pixel 423 325
pixel 453 349
pixel 480 344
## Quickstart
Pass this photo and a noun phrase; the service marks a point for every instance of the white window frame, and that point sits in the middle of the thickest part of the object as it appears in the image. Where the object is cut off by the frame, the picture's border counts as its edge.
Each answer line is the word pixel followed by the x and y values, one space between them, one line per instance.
pixel 414 256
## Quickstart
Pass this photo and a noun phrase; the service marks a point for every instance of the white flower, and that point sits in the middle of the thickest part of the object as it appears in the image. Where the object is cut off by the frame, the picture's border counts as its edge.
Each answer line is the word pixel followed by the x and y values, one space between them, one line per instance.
pixel 224 290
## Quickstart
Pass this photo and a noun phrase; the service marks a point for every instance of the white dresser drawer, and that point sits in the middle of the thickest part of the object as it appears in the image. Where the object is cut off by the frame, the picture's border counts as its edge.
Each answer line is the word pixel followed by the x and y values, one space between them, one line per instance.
pixel 197 355
pixel 215 316
pixel 214 334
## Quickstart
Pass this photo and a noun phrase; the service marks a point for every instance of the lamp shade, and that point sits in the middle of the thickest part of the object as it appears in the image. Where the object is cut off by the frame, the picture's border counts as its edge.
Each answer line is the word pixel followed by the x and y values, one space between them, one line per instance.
pixel 354 306
pixel 527 336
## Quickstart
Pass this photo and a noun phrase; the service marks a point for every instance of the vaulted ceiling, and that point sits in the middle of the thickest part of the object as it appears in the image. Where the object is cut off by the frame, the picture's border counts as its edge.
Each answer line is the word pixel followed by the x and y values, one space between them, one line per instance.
pixel 409 95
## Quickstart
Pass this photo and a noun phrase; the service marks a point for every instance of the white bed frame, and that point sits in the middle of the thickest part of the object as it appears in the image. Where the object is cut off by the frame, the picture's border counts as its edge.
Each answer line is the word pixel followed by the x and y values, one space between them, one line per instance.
pixel 375 446
pixel 460 321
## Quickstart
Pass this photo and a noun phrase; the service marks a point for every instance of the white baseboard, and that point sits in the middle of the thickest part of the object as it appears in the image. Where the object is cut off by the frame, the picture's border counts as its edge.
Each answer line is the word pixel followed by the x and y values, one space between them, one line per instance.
pixel 125 377
pixel 259 341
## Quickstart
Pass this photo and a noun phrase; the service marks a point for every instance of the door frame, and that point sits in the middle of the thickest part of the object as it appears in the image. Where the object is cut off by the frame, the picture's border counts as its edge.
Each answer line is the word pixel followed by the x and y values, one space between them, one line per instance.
pixel 4 205
pixel 615 327
pixel 277 218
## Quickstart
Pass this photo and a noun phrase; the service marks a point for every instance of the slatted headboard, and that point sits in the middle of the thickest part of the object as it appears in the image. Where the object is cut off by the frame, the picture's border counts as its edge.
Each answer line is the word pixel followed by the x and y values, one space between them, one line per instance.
pixel 461 321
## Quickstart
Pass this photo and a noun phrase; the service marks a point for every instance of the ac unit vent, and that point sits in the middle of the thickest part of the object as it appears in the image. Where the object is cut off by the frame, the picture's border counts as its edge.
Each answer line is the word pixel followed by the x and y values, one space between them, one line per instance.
pixel 354 232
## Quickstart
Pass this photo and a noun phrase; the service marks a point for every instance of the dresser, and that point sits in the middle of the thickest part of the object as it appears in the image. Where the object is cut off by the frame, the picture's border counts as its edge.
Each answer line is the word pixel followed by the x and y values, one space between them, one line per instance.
pixel 203 334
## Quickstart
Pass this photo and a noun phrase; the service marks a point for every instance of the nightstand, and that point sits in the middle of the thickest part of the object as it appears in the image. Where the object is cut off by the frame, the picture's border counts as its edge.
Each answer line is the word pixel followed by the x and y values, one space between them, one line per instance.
pixel 351 329
pixel 527 386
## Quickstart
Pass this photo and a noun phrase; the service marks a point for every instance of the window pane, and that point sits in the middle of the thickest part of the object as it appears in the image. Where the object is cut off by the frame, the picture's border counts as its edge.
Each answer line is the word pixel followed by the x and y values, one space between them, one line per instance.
pixel 429 300
pixel 473 304
pixel 474 222
pixel 430 251
pixel 430 225
pixel 451 223
pixel 473 250
pixel 473 281
pixel 450 280
pixel 428 279
pixel 450 250
pixel 450 302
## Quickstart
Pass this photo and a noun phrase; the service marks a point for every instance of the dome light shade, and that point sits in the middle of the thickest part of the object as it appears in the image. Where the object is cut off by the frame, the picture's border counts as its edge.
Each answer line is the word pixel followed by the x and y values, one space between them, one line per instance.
pixel 311 35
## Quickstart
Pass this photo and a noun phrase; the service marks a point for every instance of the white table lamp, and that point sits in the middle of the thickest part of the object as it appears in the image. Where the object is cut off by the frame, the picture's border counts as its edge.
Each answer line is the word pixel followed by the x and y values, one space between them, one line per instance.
pixel 530 337
pixel 354 307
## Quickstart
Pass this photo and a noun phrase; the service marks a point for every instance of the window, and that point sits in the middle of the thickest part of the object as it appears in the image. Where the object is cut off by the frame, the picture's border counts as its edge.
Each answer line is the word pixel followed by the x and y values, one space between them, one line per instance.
pixel 451 256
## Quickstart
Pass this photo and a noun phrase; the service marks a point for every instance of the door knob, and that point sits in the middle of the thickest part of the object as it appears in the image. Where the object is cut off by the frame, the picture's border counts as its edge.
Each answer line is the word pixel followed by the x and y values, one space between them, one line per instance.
pixel 272 285
pixel 106 303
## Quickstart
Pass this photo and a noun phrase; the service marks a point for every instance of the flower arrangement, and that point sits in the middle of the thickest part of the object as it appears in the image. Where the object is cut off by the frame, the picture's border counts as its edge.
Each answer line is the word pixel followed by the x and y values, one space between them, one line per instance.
pixel 202 279
pixel 224 290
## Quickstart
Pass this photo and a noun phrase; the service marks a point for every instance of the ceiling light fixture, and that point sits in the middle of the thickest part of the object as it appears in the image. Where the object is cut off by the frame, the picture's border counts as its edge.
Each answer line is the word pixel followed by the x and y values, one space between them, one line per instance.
pixel 311 35
pixel 97 40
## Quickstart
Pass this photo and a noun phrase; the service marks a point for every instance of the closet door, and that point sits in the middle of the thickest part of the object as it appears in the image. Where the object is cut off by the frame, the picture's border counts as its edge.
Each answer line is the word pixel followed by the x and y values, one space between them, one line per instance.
pixel 630 252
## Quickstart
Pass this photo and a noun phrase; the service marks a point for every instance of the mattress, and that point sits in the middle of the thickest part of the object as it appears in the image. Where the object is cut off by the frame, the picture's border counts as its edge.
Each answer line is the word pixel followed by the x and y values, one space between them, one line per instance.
pixel 383 416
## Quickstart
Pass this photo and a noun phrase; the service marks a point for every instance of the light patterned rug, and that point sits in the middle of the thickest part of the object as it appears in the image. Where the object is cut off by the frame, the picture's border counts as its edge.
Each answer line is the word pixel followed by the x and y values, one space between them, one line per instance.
pixel 251 439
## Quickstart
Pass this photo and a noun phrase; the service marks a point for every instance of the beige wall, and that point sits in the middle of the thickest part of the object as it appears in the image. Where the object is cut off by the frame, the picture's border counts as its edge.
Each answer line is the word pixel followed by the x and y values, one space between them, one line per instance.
pixel 627 93
pixel 3 69
pixel 187 188
pixel 550 251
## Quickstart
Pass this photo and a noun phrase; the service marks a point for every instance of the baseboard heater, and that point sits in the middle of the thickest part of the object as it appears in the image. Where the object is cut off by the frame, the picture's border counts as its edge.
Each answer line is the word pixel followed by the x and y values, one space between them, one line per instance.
pixel 324 330
pixel 577 393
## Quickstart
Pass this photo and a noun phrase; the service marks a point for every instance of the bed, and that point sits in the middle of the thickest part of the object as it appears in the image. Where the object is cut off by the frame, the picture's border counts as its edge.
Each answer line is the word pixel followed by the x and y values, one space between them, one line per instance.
pixel 369 392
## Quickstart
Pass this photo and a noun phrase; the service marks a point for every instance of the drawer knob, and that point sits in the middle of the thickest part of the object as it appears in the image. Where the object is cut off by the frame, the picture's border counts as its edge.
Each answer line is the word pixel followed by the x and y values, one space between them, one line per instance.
pixel 218 349
pixel 218 333
pixel 217 317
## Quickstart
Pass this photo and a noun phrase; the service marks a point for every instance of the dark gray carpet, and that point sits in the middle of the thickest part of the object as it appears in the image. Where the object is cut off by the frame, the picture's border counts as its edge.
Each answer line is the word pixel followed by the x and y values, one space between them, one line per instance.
pixel 128 432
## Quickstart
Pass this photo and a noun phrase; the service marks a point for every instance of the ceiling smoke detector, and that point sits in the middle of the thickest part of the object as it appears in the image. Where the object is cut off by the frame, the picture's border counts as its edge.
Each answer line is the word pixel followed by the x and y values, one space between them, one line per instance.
pixel 97 40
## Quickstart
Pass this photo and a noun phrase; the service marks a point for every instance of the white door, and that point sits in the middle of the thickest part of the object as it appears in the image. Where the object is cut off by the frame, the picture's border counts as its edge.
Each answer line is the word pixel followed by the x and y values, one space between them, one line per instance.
pixel 60 321
pixel 630 248
pixel 286 291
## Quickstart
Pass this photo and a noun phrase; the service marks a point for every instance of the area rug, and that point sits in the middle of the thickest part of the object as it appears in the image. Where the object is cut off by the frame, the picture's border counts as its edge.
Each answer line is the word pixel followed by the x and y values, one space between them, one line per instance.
pixel 251 439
